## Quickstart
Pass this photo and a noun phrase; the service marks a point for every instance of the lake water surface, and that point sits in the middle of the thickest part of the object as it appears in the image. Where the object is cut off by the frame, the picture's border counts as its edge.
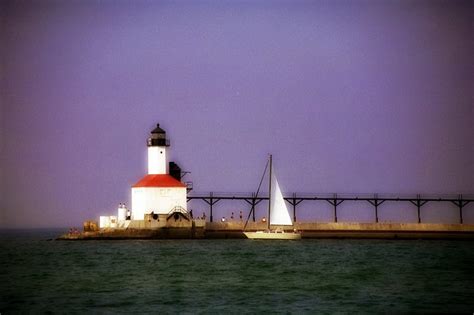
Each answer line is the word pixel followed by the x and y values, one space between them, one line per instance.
pixel 233 276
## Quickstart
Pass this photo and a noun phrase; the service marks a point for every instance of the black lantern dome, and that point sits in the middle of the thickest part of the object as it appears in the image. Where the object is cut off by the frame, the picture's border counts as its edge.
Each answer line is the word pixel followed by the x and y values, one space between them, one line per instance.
pixel 158 138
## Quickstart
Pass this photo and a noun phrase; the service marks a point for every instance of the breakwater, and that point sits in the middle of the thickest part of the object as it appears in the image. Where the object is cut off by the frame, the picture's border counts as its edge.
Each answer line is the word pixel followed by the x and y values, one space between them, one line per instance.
pixel 224 230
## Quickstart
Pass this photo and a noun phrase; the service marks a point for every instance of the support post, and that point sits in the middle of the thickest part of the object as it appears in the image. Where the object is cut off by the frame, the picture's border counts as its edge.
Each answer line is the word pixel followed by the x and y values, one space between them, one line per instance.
pixel 211 201
pixel 294 207
pixel 461 203
pixel 253 202
pixel 253 207
pixel 210 207
pixel 334 202
pixel 376 202
pixel 294 202
pixel 376 209
pixel 418 205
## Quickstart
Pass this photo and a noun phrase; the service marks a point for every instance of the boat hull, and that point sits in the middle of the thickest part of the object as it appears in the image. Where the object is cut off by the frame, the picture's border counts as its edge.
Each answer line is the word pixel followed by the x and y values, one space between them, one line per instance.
pixel 263 235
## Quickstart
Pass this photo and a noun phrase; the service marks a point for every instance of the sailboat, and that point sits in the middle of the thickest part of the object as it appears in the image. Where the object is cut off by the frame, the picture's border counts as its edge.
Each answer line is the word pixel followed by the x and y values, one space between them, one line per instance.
pixel 277 214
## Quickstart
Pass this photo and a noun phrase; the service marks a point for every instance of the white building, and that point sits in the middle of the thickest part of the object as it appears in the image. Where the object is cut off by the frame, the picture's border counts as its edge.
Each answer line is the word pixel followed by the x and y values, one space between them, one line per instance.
pixel 158 192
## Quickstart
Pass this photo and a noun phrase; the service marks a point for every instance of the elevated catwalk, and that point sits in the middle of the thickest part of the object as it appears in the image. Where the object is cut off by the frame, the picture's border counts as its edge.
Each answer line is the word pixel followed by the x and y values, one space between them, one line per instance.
pixel 335 200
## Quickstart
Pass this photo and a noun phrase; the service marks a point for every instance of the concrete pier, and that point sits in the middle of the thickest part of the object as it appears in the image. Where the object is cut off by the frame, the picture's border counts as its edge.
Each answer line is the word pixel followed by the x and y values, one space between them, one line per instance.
pixel 218 230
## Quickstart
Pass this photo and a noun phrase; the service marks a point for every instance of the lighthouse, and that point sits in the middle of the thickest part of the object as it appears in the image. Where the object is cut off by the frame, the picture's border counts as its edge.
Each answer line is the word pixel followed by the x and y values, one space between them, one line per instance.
pixel 158 192
pixel 157 151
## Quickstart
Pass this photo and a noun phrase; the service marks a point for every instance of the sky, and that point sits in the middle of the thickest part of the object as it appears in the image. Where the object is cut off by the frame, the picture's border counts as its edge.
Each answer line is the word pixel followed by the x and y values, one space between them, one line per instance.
pixel 355 97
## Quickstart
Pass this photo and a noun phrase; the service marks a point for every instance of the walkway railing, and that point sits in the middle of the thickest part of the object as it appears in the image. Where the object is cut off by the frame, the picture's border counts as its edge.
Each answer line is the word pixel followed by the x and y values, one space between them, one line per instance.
pixel 335 200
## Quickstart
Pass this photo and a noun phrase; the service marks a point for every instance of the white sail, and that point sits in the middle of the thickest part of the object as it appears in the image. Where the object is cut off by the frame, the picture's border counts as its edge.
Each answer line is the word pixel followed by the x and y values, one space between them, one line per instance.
pixel 279 214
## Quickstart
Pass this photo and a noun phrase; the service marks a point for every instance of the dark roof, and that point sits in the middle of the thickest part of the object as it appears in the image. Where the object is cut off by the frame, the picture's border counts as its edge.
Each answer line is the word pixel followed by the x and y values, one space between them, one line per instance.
pixel 158 129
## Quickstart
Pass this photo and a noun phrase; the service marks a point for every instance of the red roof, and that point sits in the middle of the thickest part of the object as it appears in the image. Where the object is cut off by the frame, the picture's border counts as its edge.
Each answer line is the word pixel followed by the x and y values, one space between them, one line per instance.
pixel 161 180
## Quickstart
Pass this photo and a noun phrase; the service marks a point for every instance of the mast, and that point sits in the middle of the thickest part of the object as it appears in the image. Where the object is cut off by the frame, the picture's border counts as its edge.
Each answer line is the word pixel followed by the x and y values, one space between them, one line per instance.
pixel 269 193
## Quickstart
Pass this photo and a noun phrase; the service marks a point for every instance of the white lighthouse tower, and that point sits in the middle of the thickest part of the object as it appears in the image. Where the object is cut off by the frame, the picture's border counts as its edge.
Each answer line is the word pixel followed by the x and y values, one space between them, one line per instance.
pixel 158 192
pixel 157 155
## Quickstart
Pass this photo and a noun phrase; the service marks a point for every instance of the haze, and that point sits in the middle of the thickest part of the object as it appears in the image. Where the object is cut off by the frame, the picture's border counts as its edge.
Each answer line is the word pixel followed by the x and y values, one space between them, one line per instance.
pixel 348 96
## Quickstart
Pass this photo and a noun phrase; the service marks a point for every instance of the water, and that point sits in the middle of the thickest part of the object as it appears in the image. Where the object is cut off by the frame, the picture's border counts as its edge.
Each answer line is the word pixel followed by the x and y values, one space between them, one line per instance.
pixel 234 276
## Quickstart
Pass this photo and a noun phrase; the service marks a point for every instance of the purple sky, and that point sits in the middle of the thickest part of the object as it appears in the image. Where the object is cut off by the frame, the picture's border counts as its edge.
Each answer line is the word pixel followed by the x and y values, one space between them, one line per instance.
pixel 349 97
